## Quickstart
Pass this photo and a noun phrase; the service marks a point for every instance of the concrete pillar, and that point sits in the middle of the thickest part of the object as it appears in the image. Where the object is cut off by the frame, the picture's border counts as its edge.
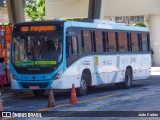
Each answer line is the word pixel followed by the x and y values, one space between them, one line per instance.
pixel 15 11
pixel 96 9
pixel 154 26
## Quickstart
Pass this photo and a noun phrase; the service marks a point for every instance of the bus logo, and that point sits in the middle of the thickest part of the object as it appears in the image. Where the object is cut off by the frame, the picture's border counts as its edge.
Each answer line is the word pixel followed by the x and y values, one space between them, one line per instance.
pixel 6 114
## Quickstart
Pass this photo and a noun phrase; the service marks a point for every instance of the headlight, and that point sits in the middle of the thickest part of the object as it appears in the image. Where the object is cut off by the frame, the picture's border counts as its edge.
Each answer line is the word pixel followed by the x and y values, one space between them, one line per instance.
pixel 58 74
pixel 14 76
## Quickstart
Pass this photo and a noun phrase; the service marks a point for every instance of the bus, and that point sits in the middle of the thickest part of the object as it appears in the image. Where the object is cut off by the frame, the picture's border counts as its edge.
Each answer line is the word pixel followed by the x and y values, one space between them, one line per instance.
pixel 85 53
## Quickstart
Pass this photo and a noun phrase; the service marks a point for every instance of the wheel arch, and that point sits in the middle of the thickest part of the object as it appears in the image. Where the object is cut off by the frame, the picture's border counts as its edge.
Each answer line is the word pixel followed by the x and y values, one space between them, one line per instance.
pixel 130 68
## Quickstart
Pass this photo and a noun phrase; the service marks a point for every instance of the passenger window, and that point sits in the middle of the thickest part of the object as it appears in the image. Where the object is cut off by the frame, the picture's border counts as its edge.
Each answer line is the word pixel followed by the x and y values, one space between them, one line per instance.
pixel 86 41
pixel 134 42
pixel 122 42
pixel 98 42
pixel 144 42
pixel 74 46
pixel 112 42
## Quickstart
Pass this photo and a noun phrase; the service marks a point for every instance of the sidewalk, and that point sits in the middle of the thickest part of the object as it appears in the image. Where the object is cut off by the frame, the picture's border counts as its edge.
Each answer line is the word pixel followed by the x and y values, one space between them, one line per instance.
pixel 155 70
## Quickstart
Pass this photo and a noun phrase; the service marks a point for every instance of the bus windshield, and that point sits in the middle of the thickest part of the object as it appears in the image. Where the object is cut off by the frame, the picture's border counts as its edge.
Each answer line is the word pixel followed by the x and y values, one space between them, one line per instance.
pixel 36 50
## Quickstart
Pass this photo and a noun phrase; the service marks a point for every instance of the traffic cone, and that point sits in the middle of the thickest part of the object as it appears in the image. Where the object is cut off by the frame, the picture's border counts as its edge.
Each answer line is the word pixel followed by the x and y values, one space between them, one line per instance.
pixel 51 102
pixel 73 98
pixel 1 105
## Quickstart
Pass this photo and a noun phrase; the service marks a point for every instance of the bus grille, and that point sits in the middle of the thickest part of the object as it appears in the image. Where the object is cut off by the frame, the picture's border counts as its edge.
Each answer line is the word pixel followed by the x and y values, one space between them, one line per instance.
pixel 41 85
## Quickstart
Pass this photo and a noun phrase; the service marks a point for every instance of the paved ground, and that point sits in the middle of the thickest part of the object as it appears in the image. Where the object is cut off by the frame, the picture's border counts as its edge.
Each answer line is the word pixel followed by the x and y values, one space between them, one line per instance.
pixel 143 96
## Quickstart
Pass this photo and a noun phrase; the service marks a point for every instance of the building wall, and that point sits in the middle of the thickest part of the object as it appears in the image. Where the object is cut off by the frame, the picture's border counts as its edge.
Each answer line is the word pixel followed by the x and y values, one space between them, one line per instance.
pixel 66 8
pixel 132 7
pixel 3 15
pixel 79 8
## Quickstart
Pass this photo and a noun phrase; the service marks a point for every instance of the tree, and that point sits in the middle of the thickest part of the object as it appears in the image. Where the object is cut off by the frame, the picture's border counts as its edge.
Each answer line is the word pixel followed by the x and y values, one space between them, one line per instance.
pixel 35 9
pixel 140 24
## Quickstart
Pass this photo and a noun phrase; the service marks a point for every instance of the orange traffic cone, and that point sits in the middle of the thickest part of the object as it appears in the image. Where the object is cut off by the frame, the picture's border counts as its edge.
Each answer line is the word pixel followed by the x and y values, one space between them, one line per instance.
pixel 1 105
pixel 51 102
pixel 73 98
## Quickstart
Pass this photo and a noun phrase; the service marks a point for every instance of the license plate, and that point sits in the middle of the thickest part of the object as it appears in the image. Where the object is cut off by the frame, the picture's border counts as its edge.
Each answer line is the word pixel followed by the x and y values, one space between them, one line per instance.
pixel 34 87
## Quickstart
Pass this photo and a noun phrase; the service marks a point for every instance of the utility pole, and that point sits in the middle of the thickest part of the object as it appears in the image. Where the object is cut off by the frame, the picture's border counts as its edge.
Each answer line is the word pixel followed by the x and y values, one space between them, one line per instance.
pixel 96 9
pixel 15 11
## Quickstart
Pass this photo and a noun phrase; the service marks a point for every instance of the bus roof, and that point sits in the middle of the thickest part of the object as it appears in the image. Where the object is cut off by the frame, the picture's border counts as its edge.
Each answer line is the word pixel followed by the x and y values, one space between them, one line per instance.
pixel 101 24
pixel 110 26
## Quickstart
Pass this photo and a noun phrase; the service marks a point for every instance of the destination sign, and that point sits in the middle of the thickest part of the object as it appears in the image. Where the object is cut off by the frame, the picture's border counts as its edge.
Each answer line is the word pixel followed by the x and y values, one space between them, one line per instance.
pixel 37 28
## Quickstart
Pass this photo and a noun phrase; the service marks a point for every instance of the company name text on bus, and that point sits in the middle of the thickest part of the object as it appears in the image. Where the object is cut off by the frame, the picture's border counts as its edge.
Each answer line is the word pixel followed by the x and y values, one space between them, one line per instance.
pixel 37 28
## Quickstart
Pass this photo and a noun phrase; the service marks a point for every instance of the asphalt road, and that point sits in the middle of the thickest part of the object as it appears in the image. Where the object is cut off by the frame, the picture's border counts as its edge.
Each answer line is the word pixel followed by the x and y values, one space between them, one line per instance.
pixel 143 97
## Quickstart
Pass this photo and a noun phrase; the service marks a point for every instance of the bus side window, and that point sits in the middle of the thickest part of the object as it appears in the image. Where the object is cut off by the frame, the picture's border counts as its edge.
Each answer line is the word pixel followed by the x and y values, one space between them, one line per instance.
pixel 145 44
pixel 122 42
pixel 98 41
pixel 86 41
pixel 134 42
pixel 74 46
pixel 112 42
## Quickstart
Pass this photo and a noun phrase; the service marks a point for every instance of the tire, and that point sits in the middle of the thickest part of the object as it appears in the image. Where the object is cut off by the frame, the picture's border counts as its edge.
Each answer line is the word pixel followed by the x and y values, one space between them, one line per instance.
pixel 128 79
pixel 118 85
pixel 38 92
pixel 83 86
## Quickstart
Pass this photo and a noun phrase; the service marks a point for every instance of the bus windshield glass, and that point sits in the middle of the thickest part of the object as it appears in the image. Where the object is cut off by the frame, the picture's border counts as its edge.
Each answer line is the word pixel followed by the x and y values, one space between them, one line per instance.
pixel 36 50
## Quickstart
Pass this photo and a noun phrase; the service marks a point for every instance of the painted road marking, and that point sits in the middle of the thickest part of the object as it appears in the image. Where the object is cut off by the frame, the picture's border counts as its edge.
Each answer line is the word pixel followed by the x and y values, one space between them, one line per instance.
pixel 82 101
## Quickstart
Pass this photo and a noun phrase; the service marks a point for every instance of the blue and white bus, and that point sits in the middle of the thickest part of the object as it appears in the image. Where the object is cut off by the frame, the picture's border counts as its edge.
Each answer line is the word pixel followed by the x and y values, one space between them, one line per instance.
pixel 60 53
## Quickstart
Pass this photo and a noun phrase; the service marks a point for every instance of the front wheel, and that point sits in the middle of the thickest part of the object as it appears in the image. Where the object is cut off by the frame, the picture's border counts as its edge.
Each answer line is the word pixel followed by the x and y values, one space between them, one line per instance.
pixel 38 92
pixel 83 87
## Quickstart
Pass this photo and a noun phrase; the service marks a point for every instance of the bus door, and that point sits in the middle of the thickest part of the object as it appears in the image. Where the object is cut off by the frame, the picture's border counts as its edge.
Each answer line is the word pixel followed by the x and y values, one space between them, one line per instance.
pixel 136 56
pixel 146 57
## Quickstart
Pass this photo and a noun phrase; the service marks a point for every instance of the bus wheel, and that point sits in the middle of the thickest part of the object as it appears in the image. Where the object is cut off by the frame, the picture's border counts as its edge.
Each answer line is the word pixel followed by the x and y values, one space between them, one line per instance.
pixel 38 92
pixel 83 86
pixel 128 79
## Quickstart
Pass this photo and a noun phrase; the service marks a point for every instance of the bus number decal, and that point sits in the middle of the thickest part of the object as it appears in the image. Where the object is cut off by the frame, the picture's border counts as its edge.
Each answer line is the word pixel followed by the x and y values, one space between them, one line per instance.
pixel 24 29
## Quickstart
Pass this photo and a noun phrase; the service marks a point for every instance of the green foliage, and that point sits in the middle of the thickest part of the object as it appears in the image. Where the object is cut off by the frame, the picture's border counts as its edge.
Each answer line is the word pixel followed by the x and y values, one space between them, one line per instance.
pixel 35 10
pixel 140 24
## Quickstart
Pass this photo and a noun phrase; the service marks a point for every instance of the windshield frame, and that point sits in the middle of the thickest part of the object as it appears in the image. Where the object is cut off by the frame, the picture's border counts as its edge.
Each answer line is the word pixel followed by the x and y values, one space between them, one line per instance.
pixel 35 68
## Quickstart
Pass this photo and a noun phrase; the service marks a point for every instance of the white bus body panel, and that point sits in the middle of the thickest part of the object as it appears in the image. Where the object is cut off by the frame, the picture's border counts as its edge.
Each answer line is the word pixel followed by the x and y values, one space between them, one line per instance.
pixel 105 69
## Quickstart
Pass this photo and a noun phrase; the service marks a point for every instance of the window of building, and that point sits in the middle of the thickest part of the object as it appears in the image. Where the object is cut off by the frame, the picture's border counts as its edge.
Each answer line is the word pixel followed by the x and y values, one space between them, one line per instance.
pixel 145 42
pixel 122 42
pixel 134 42
pixel 98 41
pixel 86 41
pixel 112 42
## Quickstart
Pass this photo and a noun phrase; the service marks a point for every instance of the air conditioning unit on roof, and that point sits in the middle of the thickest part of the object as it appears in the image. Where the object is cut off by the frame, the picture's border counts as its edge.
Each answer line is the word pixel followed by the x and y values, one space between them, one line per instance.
pixel 98 21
